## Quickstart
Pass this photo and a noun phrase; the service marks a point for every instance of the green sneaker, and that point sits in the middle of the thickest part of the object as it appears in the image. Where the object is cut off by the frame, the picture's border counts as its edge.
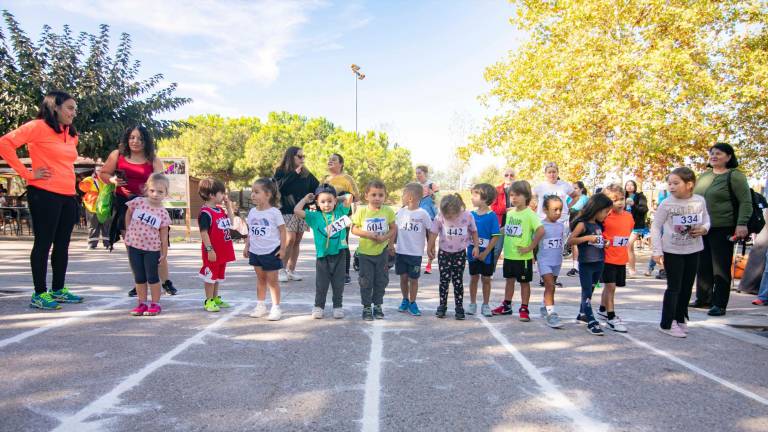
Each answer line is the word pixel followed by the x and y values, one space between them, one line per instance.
pixel 64 296
pixel 220 303
pixel 44 301
pixel 210 305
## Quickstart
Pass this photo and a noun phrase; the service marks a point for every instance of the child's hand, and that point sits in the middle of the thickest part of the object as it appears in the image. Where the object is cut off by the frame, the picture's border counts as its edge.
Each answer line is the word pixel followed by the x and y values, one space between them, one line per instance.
pixel 482 255
pixel 162 257
pixel 659 259
pixel 391 249
pixel 245 252
pixel 697 232
pixel 281 253
pixel 523 250
pixel 431 255
pixel 212 256
pixel 309 197
pixel 476 253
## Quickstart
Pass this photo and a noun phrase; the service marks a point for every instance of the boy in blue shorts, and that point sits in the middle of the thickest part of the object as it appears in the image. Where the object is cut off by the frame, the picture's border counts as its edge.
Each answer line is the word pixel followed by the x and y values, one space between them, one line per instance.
pixel 487 222
pixel 413 230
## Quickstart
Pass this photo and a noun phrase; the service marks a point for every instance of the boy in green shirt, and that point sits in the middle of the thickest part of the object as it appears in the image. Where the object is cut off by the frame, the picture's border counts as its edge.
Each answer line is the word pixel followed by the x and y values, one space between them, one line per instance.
pixel 376 227
pixel 522 233
pixel 329 228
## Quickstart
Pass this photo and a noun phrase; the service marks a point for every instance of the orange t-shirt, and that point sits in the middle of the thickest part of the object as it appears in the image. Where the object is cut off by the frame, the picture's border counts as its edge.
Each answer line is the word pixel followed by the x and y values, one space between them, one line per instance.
pixel 617 229
pixel 55 151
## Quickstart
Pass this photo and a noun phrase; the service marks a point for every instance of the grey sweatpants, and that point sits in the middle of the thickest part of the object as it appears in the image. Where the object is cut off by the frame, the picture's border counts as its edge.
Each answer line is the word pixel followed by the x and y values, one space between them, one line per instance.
pixel 374 278
pixel 331 270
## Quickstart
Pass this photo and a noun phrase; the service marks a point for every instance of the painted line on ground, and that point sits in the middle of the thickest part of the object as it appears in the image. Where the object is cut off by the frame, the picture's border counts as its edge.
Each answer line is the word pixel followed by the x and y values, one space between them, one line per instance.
pixel 696 369
pixel 552 395
pixel 370 420
pixel 111 399
pixel 62 322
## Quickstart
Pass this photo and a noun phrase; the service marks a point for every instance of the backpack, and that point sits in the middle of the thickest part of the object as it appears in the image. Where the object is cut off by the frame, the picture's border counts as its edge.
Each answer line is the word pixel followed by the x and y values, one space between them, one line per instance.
pixel 756 219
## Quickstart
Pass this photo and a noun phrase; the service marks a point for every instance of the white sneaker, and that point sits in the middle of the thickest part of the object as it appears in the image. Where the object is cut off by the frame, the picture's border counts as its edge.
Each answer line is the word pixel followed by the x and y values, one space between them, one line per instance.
pixel 472 309
pixel 275 313
pixel 292 275
pixel 282 275
pixel 317 313
pixel 260 310
pixel 616 324
pixel 338 313
pixel 673 331
pixel 683 327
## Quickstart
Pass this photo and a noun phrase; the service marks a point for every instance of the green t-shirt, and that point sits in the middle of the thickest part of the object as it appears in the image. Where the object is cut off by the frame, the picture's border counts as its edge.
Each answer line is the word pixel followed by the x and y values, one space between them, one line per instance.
pixel 320 222
pixel 376 221
pixel 518 232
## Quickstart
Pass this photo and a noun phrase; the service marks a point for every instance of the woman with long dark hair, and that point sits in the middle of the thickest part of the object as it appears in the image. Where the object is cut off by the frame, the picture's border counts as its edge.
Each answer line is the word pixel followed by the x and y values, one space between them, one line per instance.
pixel 294 181
pixel 51 140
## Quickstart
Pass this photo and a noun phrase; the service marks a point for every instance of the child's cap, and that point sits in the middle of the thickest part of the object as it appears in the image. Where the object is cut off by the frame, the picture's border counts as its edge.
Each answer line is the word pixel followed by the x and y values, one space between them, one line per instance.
pixel 325 188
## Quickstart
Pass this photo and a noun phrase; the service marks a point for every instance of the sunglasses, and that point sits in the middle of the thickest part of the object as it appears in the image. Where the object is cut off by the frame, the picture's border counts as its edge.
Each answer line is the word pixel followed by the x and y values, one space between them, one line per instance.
pixel 509 175
pixel 300 156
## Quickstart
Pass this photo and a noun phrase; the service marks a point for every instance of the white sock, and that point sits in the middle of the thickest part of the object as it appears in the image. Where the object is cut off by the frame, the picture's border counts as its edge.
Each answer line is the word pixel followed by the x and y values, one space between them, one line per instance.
pixel 550 309
pixel 576 265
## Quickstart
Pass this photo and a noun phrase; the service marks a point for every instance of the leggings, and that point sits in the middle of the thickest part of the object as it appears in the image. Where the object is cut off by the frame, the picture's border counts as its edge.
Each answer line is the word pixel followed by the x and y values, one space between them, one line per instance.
pixel 681 271
pixel 53 218
pixel 589 275
pixel 144 265
pixel 452 271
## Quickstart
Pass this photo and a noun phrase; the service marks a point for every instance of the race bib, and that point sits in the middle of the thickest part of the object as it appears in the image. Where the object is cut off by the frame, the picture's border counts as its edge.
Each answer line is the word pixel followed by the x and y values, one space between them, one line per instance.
pixel 513 230
pixel 146 218
pixel 484 242
pixel 376 225
pixel 258 230
pixel 455 231
pixel 620 241
pixel 687 219
pixel 600 243
pixel 410 226
pixel 338 225
pixel 553 243
pixel 224 224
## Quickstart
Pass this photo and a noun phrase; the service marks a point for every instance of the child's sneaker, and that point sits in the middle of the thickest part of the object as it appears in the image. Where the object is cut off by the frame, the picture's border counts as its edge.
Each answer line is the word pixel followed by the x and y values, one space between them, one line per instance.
pixel 292 275
pixel 64 296
pixel 169 288
pixel 210 305
pixel 572 272
pixel 758 302
pixel 139 310
pixel 553 320
pixel 317 312
pixel 259 311
pixel 485 309
pixel 440 312
pixel 275 313
pixel 338 313
pixel 504 309
pixel 44 301
pixel 593 328
pixel 403 305
pixel 413 308
pixel 524 314
pixel 378 313
pixel 367 313
pixel 472 309
pixel 459 313
pixel 617 325
pixel 543 311
pixel 282 275
pixel 602 314
pixel 673 331
pixel 221 303
pixel 683 326
pixel 152 310
pixel 582 319
pixel 428 268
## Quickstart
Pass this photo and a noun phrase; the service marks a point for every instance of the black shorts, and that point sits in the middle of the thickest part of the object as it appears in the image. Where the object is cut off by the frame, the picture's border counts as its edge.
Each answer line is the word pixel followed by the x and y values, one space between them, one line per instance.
pixel 477 267
pixel 522 270
pixel 410 264
pixel 267 262
pixel 613 273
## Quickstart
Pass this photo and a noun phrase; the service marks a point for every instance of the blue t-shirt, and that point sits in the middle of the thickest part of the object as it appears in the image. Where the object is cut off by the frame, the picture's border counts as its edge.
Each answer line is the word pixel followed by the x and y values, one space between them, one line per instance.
pixel 487 228
pixel 579 204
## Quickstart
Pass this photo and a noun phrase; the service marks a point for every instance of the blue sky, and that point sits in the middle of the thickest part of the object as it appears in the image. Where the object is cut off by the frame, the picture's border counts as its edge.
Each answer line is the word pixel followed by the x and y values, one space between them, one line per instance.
pixel 424 60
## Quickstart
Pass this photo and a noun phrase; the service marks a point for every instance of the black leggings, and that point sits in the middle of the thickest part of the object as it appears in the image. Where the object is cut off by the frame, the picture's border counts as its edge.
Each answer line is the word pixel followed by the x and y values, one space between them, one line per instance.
pixel 53 218
pixel 681 271
pixel 452 271
pixel 713 278
pixel 144 265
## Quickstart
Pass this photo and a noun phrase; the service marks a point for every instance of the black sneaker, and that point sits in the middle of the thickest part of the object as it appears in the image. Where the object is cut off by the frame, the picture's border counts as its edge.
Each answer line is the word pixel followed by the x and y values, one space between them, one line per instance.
pixel 132 292
pixel 541 282
pixel 347 280
pixel 440 312
pixel 593 327
pixel 169 288
pixel 716 311
pixel 662 274
pixel 572 272
pixel 459 313
pixel 581 318
pixel 367 314
pixel 698 304
pixel 377 312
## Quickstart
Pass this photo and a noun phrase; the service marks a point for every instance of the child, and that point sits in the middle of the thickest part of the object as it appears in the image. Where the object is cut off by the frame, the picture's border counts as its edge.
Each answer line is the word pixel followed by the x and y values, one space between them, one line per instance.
pixel 413 229
pixel 146 237
pixel 455 227
pixel 522 233
pixel 487 224
pixel 329 227
pixel 375 225
pixel 681 220
pixel 587 235
pixel 550 256
pixel 617 230
pixel 217 249
pixel 265 248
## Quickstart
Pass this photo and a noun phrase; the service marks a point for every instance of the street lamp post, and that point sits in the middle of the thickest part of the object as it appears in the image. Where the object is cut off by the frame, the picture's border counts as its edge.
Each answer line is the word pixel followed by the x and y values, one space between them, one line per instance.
pixel 359 76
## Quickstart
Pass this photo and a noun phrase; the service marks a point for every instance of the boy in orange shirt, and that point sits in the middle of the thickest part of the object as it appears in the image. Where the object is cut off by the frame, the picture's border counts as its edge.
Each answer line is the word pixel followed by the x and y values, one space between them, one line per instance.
pixel 617 229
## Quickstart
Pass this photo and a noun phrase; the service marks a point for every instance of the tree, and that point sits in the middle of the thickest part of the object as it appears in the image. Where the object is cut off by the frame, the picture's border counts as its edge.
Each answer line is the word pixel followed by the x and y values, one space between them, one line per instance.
pixel 109 96
pixel 634 86
pixel 492 175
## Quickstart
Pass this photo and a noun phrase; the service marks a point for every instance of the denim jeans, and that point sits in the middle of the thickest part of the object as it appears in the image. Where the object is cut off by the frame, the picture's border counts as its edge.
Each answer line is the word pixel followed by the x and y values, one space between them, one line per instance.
pixel 763 293
pixel 589 275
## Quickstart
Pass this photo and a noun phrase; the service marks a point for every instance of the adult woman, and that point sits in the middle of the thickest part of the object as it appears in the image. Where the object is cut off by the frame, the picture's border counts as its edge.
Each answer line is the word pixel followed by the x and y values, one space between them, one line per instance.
pixel 729 222
pixel 52 144
pixel 554 186
pixel 502 204
pixel 129 168
pixel 575 204
pixel 294 181
pixel 344 184
pixel 637 204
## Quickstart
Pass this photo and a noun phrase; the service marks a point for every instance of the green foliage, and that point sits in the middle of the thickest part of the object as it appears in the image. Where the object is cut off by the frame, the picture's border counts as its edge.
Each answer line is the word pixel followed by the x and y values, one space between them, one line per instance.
pixel 492 175
pixel 108 94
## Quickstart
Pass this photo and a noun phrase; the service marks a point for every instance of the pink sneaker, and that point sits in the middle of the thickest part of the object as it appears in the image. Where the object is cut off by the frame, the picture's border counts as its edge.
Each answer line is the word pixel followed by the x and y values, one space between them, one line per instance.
pixel 683 327
pixel 140 310
pixel 152 310
pixel 673 331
